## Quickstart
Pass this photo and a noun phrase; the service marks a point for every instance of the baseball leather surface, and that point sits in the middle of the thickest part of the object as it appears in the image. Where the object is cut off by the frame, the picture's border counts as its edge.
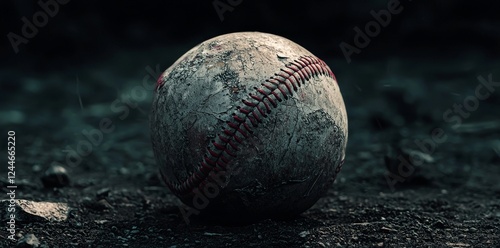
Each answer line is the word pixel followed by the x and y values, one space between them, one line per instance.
pixel 248 126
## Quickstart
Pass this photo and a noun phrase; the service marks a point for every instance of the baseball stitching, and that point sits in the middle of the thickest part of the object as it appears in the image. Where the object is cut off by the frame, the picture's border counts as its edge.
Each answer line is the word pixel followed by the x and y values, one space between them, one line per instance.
pixel 253 109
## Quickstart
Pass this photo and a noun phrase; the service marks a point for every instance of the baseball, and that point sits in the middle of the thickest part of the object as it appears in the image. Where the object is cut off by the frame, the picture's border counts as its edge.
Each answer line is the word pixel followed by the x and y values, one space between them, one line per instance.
pixel 247 126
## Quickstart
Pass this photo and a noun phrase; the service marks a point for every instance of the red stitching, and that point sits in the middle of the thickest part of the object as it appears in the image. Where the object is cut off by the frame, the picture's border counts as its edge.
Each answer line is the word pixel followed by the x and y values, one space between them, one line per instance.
pixel 253 110
pixel 256 116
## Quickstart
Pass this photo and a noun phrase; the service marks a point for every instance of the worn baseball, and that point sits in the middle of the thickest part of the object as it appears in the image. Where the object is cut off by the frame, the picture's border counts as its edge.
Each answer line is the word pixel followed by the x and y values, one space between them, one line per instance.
pixel 248 126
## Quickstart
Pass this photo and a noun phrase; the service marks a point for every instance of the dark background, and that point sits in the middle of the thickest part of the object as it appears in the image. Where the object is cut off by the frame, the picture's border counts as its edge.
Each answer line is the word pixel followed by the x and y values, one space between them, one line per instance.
pixel 92 30
pixel 93 53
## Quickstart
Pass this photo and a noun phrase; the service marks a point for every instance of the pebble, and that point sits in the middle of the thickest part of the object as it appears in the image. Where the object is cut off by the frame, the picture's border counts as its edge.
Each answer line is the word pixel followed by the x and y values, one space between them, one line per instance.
pixel 104 192
pixel 31 211
pixel 100 222
pixel 55 176
pixel 99 205
pixel 28 240
pixel 304 234
pixel 439 224
pixel 36 168
pixel 211 234
pixel 387 229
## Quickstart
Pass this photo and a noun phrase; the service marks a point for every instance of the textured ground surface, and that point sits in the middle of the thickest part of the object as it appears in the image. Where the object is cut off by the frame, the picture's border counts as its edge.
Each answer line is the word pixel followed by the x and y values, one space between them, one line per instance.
pixel 451 200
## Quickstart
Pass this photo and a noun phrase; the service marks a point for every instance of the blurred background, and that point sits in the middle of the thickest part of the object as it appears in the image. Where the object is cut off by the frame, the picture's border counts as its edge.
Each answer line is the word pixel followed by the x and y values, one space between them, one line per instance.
pixel 83 32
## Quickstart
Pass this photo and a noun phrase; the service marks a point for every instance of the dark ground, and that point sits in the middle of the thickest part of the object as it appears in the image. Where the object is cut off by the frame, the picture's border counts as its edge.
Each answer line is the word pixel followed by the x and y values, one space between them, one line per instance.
pixel 395 97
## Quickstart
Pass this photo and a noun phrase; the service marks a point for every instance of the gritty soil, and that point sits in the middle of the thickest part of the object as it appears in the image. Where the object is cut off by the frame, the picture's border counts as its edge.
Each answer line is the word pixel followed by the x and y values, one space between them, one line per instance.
pixel 451 199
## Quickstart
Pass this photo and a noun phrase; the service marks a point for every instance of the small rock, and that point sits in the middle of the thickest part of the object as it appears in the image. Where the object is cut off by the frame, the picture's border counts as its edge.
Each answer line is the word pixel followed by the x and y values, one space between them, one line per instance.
pixel 439 224
pixel 100 222
pixel 105 204
pixel 104 192
pixel 211 234
pixel 459 244
pixel 425 157
pixel 31 211
pixel 387 229
pixel 77 225
pixel 304 234
pixel 36 168
pixel 55 176
pixel 124 171
pixel 28 240
pixel 101 204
